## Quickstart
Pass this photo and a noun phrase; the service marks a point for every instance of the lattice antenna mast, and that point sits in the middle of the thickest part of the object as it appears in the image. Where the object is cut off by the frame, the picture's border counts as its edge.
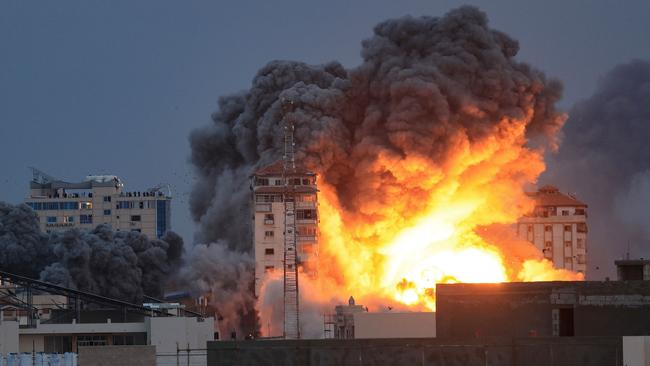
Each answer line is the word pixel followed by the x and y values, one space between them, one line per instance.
pixel 291 296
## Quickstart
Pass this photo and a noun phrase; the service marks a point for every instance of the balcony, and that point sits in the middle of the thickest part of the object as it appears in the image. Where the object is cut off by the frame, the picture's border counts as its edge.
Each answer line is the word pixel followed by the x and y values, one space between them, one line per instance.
pixel 311 238
pixel 306 204
pixel 263 207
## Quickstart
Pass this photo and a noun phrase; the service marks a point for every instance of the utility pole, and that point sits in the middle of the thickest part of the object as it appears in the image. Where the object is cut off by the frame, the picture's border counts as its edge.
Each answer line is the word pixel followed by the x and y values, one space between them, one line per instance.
pixel 291 297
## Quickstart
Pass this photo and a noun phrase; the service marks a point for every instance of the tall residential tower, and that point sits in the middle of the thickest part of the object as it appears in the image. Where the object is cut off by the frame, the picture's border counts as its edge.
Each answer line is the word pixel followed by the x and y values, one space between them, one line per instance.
pixel 269 214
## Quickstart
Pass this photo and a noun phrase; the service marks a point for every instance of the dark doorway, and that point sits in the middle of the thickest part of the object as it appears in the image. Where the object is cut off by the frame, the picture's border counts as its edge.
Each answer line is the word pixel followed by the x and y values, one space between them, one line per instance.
pixel 566 323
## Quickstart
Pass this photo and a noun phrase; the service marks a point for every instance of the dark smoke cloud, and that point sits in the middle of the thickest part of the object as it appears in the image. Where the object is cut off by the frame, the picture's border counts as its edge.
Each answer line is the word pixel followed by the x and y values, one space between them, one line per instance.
pixel 605 160
pixel 122 265
pixel 422 82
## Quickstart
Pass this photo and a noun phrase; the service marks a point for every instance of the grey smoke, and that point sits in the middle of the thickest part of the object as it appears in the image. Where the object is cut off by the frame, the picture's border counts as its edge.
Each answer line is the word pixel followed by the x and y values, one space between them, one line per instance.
pixel 605 158
pixel 122 265
pixel 422 81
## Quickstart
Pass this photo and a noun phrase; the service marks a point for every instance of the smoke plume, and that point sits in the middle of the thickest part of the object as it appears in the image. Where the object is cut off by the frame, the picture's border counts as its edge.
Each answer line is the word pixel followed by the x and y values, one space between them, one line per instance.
pixel 438 109
pixel 605 160
pixel 122 265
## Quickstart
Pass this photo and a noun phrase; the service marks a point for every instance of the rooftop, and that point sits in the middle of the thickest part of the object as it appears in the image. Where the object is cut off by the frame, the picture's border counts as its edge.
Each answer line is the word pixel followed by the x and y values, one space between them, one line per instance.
pixel 551 196
pixel 276 169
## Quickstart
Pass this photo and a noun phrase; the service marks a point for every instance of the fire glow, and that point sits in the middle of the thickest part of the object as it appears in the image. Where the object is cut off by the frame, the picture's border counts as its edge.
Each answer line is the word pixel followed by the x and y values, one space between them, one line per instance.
pixel 438 230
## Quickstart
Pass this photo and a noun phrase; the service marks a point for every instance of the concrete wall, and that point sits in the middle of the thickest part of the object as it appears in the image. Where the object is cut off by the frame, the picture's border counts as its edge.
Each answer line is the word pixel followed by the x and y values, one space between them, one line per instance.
pixel 522 309
pixel 165 333
pixel 8 337
pixel 395 325
pixel 636 351
pixel 117 355
pixel 360 352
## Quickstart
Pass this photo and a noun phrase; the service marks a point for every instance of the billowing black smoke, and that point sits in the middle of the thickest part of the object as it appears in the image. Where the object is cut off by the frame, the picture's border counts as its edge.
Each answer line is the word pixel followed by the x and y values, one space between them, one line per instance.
pixel 122 265
pixel 605 160
pixel 422 83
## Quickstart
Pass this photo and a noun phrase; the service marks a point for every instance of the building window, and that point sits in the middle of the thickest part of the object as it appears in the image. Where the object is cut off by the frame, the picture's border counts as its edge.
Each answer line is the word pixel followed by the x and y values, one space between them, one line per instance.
pixel 565 212
pixel 269 268
pixel 136 230
pixel 162 218
pixel 567 228
pixel 135 218
pixel 86 205
pixel 124 205
pixel 107 212
pixel 123 340
pixel 580 243
pixel 580 211
pixel 85 219
pixel 69 205
pixel 567 244
pixel 68 219
pixel 58 344
pixel 268 234
pixel 307 230
pixel 107 198
pixel 51 219
pixel 141 205
pixel 581 228
pixel 261 181
pixel 91 340
pixel 268 219
pixel 277 182
pixel 567 260
pixel 266 198
pixel 581 258
pixel 548 228
pixel 269 251
pixel 530 228
pixel 306 214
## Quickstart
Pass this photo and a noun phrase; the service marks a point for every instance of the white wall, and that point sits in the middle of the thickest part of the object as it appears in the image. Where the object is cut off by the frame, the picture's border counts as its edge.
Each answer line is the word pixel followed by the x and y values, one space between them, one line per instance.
pixel 636 351
pixel 166 332
pixel 395 325
pixel 8 337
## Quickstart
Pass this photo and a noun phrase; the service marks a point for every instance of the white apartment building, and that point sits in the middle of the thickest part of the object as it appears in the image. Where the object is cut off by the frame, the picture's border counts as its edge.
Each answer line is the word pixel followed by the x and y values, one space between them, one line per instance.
pixel 558 227
pixel 98 200
pixel 269 195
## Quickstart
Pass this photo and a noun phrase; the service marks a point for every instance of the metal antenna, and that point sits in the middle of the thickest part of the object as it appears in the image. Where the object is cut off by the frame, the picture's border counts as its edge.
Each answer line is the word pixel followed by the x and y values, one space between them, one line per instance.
pixel 291 296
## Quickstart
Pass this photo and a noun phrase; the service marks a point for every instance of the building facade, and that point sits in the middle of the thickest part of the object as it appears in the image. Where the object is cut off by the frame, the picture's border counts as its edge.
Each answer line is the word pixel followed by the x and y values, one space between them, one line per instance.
pixel 269 197
pixel 557 227
pixel 98 200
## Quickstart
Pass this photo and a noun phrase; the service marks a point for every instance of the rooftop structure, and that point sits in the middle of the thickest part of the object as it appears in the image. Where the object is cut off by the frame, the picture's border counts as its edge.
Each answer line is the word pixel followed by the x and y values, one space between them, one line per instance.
pixel 98 199
pixel 37 316
pixel 633 269
pixel 543 309
pixel 558 227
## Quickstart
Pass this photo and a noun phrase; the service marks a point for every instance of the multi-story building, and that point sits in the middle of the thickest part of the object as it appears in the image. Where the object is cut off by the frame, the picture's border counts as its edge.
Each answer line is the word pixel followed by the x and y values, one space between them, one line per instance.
pixel 558 227
pixel 269 196
pixel 98 200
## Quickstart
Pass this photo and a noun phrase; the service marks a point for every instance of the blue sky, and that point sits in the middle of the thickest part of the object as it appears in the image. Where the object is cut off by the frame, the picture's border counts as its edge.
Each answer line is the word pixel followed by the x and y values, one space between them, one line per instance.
pixel 115 87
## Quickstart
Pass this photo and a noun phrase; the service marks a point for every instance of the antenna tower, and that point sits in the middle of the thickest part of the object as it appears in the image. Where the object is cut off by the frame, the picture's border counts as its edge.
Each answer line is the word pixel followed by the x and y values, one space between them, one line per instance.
pixel 291 298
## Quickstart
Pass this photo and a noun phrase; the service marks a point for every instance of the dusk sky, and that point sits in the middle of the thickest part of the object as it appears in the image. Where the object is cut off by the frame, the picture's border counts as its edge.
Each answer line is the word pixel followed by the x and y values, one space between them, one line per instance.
pixel 115 87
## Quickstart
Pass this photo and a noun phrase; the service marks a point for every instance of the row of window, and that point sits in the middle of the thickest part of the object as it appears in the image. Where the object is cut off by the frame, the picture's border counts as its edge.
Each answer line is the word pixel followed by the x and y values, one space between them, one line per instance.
pixel 268 198
pixel 125 205
pixel 86 219
pixel 580 227
pixel 280 182
pixel 39 206
pixel 542 211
